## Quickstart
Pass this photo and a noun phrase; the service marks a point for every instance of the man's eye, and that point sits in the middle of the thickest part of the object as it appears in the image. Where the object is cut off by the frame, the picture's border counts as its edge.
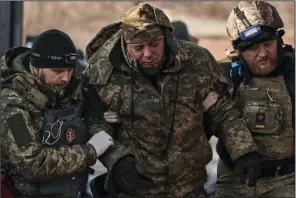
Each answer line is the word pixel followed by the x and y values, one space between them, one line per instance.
pixel 267 44
pixel 138 48
pixel 254 47
pixel 58 70
pixel 154 44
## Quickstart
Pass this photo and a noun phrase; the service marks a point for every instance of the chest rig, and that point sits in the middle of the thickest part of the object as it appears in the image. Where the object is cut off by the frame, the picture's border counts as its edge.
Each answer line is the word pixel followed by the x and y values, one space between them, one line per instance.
pixel 267 108
pixel 63 126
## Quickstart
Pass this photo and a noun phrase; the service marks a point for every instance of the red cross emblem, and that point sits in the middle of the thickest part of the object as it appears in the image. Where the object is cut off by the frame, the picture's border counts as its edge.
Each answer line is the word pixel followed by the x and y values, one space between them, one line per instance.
pixel 260 121
pixel 260 117
pixel 70 135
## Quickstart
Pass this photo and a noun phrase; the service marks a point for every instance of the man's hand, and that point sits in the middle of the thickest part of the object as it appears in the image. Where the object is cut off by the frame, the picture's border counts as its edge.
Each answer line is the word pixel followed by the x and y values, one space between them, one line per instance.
pixel 101 141
pixel 111 117
pixel 210 100
pixel 124 177
pixel 248 167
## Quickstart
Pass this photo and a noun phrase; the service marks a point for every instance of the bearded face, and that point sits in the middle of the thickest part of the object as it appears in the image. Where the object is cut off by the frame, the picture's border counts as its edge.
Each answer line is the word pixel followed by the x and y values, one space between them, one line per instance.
pixel 261 58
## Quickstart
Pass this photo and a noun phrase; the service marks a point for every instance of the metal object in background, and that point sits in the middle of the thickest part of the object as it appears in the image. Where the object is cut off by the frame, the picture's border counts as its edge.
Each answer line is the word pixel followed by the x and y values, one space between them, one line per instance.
pixel 11 22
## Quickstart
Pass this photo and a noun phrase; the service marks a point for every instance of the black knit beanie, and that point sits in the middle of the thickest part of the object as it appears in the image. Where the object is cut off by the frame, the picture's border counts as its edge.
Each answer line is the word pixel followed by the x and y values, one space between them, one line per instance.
pixel 53 49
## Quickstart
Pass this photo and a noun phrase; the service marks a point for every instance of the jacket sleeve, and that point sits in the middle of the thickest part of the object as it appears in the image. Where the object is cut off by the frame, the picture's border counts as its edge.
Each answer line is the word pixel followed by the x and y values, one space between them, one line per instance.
pixel 96 123
pixel 224 115
pixel 225 89
pixel 23 149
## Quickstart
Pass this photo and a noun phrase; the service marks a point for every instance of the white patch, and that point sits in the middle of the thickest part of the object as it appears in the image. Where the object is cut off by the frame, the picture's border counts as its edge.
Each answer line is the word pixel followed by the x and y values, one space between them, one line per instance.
pixel 56 58
pixel 210 100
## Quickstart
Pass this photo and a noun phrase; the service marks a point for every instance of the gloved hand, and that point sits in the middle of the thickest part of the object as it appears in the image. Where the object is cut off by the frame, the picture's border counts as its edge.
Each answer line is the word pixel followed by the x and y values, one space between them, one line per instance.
pixel 248 167
pixel 101 141
pixel 124 177
pixel 96 187
pixel 111 117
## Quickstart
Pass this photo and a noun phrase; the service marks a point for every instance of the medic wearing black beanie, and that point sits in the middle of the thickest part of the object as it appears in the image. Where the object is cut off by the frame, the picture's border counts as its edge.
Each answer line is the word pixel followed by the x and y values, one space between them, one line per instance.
pixel 53 49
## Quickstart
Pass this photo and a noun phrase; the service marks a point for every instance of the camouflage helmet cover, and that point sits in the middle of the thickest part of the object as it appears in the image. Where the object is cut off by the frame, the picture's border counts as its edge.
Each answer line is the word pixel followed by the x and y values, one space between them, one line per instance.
pixel 144 22
pixel 257 12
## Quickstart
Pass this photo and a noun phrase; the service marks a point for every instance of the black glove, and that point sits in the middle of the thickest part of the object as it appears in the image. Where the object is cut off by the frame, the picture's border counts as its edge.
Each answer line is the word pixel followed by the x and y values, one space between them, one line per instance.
pixel 124 177
pixel 248 167
pixel 97 186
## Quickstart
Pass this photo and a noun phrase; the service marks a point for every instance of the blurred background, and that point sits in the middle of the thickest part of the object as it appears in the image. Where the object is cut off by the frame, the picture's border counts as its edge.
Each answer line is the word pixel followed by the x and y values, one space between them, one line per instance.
pixel 82 20
pixel 20 22
pixel 205 21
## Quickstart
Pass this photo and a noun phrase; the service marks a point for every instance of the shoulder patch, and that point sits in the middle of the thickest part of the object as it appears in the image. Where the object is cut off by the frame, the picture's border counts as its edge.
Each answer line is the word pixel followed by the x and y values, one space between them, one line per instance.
pixel 19 130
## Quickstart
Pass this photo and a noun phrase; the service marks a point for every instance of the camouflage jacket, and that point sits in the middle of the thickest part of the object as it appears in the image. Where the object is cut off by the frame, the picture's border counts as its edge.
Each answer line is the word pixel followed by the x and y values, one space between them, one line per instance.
pixel 24 97
pixel 162 127
pixel 286 68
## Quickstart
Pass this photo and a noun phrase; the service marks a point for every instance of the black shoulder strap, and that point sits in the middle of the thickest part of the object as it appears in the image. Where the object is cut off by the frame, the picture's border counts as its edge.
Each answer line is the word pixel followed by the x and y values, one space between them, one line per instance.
pixel 289 48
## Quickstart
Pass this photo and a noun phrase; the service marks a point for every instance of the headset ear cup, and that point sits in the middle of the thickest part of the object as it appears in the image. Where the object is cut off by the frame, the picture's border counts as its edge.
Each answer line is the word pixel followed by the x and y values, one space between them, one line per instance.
pixel 245 71
pixel 281 33
pixel 238 73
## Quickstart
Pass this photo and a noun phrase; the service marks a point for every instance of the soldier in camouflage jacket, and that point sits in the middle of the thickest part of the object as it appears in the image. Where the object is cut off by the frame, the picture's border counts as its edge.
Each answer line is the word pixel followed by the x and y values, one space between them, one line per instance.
pixel 160 87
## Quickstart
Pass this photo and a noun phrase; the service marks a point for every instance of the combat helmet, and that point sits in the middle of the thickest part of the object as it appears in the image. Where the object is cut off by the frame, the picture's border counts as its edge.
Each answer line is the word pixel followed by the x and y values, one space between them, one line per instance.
pixel 253 22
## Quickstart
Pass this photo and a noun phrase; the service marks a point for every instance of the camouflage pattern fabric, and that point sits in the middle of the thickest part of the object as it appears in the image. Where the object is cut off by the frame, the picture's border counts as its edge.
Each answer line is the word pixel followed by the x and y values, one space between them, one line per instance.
pixel 276 145
pixel 22 104
pixel 256 12
pixel 228 185
pixel 143 22
pixel 276 138
pixel 269 94
pixel 169 162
